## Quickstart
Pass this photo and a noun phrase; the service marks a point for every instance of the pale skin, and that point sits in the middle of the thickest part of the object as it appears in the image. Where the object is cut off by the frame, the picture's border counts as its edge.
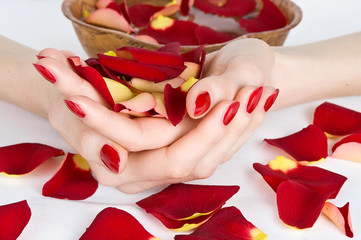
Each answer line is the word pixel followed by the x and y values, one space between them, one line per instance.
pixel 194 148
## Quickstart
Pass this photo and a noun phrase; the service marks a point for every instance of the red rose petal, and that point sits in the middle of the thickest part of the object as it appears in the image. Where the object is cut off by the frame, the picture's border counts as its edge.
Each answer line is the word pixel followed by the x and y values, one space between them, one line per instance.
pixel 197 55
pixel 228 223
pixel 175 103
pixel 180 31
pixel 92 76
pixel 309 144
pixel 318 179
pixel 172 48
pixel 140 14
pixel 337 120
pixel 114 224
pixel 125 10
pixel 23 158
pixel 227 8
pixel 348 148
pixel 269 18
pixel 145 71
pixel 206 35
pixel 185 7
pixel 179 202
pixel 13 219
pixel 340 216
pixel 73 180
pixel 298 205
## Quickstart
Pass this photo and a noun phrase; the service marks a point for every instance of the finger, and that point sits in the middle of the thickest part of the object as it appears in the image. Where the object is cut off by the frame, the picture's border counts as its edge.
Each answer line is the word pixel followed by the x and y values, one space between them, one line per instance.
pixel 134 134
pixel 56 54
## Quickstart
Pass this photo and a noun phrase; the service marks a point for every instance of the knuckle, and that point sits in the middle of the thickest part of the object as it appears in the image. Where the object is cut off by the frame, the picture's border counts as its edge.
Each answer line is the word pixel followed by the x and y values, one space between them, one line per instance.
pixel 204 172
pixel 178 171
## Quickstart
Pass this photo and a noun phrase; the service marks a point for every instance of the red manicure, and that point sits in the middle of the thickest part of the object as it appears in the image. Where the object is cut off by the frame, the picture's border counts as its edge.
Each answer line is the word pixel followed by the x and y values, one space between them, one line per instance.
pixel 75 108
pixel 39 57
pixel 45 73
pixel 110 158
pixel 203 102
pixel 254 99
pixel 270 100
pixel 230 113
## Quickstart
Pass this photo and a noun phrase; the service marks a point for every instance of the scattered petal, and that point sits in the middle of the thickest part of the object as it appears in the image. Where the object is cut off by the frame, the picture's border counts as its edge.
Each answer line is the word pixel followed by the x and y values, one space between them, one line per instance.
pixel 181 204
pixel 269 18
pixel 175 103
pixel 109 18
pixel 13 219
pixel 23 158
pixel 226 8
pixel 337 120
pixel 228 223
pixel 340 216
pixel 348 148
pixel 318 179
pixel 307 145
pixel 206 35
pixel 73 180
pixel 298 205
pixel 114 224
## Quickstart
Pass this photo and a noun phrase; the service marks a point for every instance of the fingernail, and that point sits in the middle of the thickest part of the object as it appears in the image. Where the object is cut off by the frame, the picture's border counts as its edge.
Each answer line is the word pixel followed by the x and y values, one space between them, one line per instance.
pixel 254 99
pixel 45 73
pixel 110 158
pixel 230 113
pixel 75 108
pixel 202 103
pixel 270 100
pixel 39 57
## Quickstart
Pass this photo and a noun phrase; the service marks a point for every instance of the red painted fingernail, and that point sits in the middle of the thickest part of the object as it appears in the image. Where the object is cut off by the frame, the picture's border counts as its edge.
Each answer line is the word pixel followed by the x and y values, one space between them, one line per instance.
pixel 39 57
pixel 230 113
pixel 45 73
pixel 270 100
pixel 110 158
pixel 203 102
pixel 75 108
pixel 254 99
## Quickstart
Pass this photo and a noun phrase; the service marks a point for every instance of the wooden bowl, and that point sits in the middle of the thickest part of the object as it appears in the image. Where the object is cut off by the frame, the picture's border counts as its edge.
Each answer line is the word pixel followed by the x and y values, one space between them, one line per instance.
pixel 96 39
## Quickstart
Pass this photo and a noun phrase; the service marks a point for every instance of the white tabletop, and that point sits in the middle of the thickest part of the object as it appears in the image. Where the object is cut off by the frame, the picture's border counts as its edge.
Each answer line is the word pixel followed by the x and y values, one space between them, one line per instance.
pixel 40 24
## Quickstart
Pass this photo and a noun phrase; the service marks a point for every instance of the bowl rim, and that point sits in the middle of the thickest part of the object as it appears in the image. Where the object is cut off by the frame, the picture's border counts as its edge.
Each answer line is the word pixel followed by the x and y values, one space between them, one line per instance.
pixel 295 21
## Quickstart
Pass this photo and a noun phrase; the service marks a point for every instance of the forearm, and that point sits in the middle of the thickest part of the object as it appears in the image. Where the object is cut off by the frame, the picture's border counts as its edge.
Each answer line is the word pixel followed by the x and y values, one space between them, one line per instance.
pixel 20 83
pixel 320 70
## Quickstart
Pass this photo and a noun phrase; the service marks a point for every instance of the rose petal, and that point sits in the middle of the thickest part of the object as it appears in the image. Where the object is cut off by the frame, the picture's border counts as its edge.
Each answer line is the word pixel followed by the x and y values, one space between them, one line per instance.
pixel 348 148
pixel 140 14
pixel 309 144
pixel 105 72
pixel 147 86
pixel 103 3
pixel 141 103
pixel 337 120
pixel 175 103
pixel 13 219
pixel 206 35
pixel 109 18
pixel 92 76
pixel 227 8
pixel 269 18
pixel 23 158
pixel 228 223
pixel 198 56
pixel 118 91
pixel 114 224
pixel 298 205
pixel 340 216
pixel 73 180
pixel 160 105
pixel 172 48
pixel 282 169
pixel 187 202
pixel 166 30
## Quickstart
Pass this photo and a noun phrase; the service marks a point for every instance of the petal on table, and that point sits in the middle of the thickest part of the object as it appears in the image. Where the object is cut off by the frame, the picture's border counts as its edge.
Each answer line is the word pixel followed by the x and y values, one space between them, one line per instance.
pixel 340 216
pixel 145 71
pixel 109 18
pixel 13 219
pixel 206 35
pixel 141 103
pixel 114 224
pixel 228 223
pixel 299 206
pixel 187 202
pixel 23 158
pixel 318 179
pixel 92 76
pixel 166 30
pixel 269 18
pixel 175 103
pixel 73 181
pixel 307 145
pixel 337 120
pixel 227 8
pixel 348 148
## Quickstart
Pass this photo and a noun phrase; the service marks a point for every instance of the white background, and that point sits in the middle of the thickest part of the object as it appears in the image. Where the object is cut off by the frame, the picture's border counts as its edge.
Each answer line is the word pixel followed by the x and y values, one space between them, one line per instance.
pixel 41 24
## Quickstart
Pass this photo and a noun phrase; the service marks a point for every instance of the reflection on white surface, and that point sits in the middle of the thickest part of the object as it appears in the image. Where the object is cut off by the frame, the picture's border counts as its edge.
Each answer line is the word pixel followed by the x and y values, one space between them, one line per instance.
pixel 42 25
